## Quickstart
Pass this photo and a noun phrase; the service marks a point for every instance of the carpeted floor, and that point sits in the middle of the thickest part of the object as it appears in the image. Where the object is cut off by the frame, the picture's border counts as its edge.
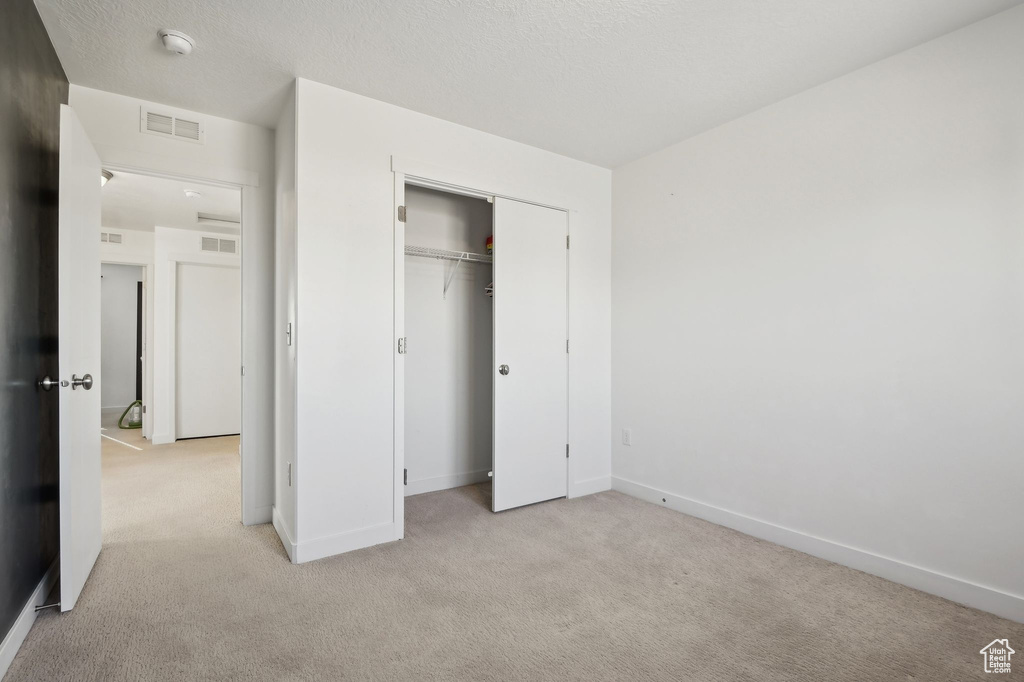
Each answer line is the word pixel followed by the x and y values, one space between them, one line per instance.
pixel 598 588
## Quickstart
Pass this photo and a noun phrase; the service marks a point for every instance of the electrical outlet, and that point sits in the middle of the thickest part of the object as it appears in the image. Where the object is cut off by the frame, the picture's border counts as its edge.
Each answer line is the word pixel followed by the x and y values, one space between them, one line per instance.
pixel 627 436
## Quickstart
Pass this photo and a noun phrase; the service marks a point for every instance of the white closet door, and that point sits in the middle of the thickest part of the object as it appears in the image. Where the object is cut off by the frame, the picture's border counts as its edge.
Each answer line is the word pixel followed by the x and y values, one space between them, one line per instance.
pixel 530 400
pixel 208 348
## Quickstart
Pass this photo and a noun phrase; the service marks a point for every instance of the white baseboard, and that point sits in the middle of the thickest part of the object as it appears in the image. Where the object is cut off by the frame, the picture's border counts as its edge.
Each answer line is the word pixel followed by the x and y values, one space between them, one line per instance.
pixel 590 486
pixel 311 550
pixel 19 631
pixel 955 589
pixel 282 532
pixel 429 485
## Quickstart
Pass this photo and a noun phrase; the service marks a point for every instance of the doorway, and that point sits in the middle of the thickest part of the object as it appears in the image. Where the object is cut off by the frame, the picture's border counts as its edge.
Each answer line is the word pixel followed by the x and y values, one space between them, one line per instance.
pixel 171 311
pixel 448 317
pixel 122 344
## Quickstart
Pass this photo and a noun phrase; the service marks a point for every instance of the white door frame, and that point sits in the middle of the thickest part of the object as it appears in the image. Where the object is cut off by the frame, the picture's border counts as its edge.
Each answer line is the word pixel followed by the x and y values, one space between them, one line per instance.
pixel 147 357
pixel 409 172
pixel 246 454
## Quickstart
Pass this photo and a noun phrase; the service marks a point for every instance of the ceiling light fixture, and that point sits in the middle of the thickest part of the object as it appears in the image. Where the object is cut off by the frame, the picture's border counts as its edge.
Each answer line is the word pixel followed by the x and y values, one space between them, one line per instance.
pixel 176 42
pixel 105 176
pixel 192 194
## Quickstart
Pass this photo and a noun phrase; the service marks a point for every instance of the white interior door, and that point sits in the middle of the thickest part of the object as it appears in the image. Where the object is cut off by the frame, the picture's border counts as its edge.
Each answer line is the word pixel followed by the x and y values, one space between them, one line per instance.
pixel 530 356
pixel 78 357
pixel 208 350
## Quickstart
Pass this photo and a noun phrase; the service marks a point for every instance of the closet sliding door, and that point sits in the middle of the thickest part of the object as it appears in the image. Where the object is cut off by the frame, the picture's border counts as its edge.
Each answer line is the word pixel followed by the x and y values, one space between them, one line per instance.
pixel 530 359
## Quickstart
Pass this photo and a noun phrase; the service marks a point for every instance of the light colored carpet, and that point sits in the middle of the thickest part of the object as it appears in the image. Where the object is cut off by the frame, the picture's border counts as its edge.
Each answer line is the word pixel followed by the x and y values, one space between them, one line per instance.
pixel 599 588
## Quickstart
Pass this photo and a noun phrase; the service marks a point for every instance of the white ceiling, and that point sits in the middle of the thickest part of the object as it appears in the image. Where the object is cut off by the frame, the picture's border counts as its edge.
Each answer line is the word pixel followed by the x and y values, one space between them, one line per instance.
pixel 141 202
pixel 605 81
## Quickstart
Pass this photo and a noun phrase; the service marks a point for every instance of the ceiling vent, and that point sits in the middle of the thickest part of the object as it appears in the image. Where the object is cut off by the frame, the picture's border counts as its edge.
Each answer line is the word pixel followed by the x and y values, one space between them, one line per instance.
pixel 168 125
pixel 110 237
pixel 219 245
pixel 217 220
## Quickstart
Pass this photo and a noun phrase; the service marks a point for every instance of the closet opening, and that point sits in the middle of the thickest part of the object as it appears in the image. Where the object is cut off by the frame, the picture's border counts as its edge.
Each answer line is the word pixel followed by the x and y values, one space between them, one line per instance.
pixel 448 344
pixel 482 346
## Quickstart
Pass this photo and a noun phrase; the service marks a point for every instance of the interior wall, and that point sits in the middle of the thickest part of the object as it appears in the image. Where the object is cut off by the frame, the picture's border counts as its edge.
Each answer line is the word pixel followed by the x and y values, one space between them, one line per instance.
pixel 448 378
pixel 346 145
pixel 32 88
pixel 286 282
pixel 819 314
pixel 234 153
pixel 118 320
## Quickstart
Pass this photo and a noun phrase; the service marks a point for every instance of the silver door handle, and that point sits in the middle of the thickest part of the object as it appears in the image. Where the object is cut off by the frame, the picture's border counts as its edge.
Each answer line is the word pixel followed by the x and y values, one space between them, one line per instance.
pixel 47 383
pixel 85 381
pixel 503 370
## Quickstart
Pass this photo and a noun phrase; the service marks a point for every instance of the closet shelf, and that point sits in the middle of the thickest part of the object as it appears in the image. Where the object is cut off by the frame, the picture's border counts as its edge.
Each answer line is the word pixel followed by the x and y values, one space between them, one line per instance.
pixel 444 254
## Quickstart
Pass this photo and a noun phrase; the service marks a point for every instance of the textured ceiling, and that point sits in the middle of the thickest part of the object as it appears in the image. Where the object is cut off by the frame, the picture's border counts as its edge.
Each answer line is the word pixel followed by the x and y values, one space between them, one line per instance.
pixel 605 81
pixel 140 202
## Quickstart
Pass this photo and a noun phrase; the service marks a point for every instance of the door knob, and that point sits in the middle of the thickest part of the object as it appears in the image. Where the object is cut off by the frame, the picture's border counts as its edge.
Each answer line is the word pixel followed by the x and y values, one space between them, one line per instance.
pixel 46 383
pixel 503 369
pixel 85 381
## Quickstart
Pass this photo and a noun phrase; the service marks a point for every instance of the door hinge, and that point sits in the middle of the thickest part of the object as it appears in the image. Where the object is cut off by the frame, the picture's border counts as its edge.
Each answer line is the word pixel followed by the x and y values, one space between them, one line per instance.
pixel 567 451
pixel 401 214
pixel 403 346
pixel 405 477
pixel 567 241
pixel 143 409
pixel 289 474
pixel 243 370
pixel 567 345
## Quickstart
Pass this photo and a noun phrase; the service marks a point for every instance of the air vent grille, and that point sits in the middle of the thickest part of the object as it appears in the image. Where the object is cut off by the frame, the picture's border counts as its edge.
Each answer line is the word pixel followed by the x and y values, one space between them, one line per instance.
pixel 159 123
pixel 167 125
pixel 220 245
pixel 110 237
pixel 190 130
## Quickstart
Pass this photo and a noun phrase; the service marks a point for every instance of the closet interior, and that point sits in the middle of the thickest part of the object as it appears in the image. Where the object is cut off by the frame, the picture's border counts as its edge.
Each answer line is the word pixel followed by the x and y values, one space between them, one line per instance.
pixel 449 340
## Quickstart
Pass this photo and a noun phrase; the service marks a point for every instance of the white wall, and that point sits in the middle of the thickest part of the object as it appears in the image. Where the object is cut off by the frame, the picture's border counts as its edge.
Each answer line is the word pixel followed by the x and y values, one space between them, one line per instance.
pixel 818 319
pixel 345 294
pixel 234 153
pixel 448 378
pixel 284 314
pixel 136 247
pixel 118 320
